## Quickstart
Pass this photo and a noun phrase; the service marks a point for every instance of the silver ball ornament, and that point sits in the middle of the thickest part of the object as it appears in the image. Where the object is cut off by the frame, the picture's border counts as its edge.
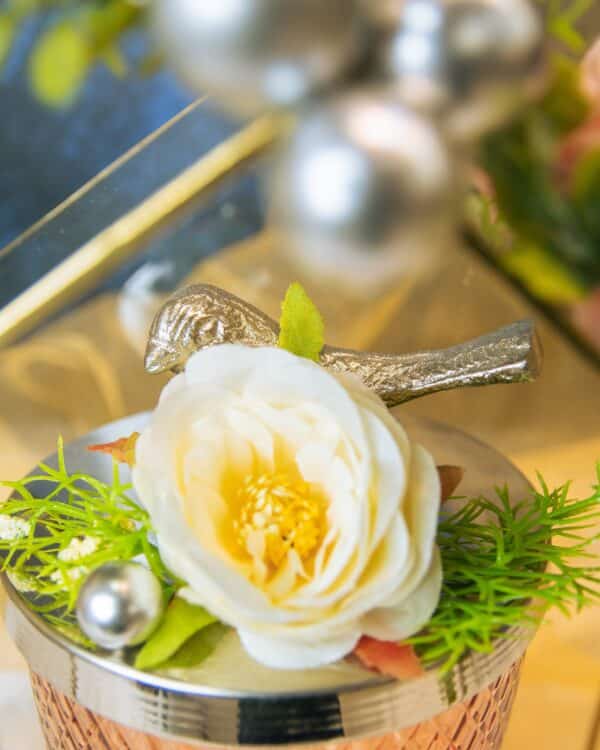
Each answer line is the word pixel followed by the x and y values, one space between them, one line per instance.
pixel 471 63
pixel 119 605
pixel 364 191
pixel 252 54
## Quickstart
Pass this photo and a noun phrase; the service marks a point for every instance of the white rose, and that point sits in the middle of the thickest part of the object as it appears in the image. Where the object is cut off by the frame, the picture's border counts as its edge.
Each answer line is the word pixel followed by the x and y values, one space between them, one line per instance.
pixel 291 502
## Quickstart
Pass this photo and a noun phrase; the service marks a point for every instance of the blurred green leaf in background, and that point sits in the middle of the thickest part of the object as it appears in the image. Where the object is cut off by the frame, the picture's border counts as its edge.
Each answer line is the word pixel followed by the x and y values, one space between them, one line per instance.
pixel 77 35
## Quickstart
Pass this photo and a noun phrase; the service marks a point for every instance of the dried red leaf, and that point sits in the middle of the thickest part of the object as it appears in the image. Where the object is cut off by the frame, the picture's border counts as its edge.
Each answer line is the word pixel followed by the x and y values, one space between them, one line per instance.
pixel 450 478
pixel 393 659
pixel 122 450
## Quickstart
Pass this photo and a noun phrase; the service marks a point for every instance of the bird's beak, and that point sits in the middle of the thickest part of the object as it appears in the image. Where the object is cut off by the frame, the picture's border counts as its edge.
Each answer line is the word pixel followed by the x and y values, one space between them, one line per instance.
pixel 160 358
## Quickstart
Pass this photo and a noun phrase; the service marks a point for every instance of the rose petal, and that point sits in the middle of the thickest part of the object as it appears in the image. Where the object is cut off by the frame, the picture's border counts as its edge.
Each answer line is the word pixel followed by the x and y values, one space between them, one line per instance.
pixel 392 659
pixel 288 654
pixel 408 616
pixel 422 507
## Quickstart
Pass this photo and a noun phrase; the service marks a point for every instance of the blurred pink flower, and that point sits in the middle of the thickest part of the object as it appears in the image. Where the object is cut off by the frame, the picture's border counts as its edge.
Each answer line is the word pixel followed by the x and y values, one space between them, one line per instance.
pixel 586 318
pixel 481 181
pixel 590 73
pixel 575 145
pixel 586 137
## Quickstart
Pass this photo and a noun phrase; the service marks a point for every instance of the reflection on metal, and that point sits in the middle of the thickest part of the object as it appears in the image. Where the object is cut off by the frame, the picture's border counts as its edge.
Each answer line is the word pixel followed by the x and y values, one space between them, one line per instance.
pixel 203 315
pixel 112 246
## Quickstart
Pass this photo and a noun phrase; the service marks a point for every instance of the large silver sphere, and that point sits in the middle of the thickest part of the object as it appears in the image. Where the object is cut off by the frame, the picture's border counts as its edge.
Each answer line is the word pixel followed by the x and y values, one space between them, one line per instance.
pixel 471 63
pixel 252 54
pixel 119 605
pixel 364 190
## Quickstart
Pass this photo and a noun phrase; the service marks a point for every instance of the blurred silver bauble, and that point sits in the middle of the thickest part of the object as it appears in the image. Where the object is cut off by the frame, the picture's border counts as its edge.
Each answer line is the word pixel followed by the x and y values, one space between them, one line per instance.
pixel 119 605
pixel 253 54
pixel 471 63
pixel 363 190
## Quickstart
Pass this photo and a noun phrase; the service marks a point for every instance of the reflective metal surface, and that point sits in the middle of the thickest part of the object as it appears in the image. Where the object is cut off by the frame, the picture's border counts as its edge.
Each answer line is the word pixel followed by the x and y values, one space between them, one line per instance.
pixel 203 315
pixel 469 63
pixel 364 192
pixel 256 54
pixel 120 604
pixel 248 705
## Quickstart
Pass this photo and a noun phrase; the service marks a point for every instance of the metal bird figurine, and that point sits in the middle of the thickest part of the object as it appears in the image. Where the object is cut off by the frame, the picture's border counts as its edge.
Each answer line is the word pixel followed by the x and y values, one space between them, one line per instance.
pixel 204 315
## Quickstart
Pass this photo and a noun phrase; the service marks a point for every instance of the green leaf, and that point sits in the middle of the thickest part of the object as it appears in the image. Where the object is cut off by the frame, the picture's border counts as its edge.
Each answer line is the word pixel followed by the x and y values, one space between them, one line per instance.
pixel 506 563
pixel 7 33
pixel 61 508
pixel 182 620
pixel 564 104
pixel 564 18
pixel 543 274
pixel 197 648
pixel 59 64
pixel 301 326
pixel 115 61
pixel 566 33
pixel 585 191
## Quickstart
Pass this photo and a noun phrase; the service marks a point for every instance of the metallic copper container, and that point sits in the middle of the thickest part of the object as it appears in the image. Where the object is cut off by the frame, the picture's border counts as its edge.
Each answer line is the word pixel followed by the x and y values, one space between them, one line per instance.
pixel 477 724
pixel 92 701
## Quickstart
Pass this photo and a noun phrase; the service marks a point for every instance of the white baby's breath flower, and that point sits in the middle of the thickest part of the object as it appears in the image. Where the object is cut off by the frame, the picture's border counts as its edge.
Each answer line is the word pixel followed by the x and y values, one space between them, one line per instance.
pixel 23 583
pixel 12 527
pixel 57 577
pixel 78 548
pixel 73 574
pixel 292 503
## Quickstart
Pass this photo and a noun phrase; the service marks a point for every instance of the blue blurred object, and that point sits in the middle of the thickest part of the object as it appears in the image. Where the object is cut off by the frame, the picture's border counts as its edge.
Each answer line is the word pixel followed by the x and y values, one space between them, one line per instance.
pixel 46 154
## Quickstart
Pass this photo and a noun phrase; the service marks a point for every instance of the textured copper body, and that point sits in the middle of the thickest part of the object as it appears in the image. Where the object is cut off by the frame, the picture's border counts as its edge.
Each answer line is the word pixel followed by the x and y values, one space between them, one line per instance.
pixel 476 724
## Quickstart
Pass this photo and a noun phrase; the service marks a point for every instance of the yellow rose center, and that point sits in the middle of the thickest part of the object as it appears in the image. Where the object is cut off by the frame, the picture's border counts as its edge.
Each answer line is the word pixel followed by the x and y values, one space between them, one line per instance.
pixel 282 514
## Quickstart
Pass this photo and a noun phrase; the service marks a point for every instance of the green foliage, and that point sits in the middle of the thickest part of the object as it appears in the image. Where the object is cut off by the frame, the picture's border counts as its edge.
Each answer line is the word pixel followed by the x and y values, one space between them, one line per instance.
pixel 561 21
pixel 301 326
pixel 505 564
pixel 533 179
pixel 59 64
pixel 481 212
pixel 7 33
pixel 585 191
pixel 78 524
pixel 564 105
pixel 521 163
pixel 80 34
pixel 200 646
pixel 182 620
pixel 545 276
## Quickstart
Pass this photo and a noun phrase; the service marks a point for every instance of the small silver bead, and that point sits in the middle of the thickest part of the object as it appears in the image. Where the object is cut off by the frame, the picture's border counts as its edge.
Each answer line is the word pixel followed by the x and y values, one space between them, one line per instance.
pixel 119 605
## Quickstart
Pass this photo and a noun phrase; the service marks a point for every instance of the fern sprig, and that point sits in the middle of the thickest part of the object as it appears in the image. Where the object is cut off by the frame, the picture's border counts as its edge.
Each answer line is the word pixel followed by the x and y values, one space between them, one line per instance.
pixel 79 524
pixel 506 564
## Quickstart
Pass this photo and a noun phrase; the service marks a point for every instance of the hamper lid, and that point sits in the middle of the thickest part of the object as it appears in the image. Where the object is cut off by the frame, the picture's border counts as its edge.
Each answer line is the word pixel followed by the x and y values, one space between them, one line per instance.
pixel 230 699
